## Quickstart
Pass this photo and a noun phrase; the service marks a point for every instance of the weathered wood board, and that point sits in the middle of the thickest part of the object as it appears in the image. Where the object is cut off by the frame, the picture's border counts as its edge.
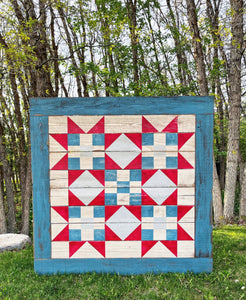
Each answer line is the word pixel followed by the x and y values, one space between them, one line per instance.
pixel 122 184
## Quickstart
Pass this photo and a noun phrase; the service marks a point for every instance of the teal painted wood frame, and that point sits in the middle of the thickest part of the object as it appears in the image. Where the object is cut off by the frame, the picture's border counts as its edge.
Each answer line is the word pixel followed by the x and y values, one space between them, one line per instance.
pixel 202 107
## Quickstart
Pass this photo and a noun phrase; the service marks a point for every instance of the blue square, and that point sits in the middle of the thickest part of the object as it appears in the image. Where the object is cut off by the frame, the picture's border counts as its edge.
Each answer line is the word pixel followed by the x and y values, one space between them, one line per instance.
pixel 147 235
pixel 73 140
pixel 110 175
pixel 74 212
pixel 148 163
pixel 171 211
pixel 135 199
pixel 74 235
pixel 123 190
pixel 98 139
pixel 122 184
pixel 135 175
pixel 171 162
pixel 110 199
pixel 147 139
pixel 171 234
pixel 147 211
pixel 73 163
pixel 99 211
pixel 99 235
pixel 98 163
pixel 171 139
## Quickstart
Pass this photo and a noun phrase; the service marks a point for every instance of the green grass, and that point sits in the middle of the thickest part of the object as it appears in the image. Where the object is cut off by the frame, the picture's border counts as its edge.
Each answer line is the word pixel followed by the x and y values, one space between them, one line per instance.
pixel 18 280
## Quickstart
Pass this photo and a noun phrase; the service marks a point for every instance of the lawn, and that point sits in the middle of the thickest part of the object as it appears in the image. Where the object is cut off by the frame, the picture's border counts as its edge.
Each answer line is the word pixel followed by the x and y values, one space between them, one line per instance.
pixel 227 281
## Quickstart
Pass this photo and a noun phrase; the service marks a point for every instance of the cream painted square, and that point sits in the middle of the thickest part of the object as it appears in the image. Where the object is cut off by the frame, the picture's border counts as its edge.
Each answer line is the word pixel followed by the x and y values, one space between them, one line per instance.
pixel 123 199
pixel 186 123
pixel 58 197
pixel 159 234
pixel 59 249
pixel 186 177
pixel 159 211
pixel 58 179
pixel 87 212
pixel 123 175
pixel 57 124
pixel 186 249
pixel 85 139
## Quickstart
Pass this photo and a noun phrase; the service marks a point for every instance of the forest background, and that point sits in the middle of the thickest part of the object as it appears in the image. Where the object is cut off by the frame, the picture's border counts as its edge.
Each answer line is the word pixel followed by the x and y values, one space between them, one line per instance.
pixel 91 48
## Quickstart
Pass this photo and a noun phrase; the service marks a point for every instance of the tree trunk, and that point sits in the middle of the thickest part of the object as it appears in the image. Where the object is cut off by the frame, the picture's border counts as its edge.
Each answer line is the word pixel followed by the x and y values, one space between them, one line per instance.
pixel 242 207
pixel 217 200
pixel 234 110
pixel 3 223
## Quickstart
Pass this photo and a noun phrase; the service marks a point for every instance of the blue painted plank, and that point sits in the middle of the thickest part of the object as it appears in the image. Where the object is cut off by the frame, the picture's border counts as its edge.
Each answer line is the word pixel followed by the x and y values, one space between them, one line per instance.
pixel 40 172
pixel 124 266
pixel 121 105
pixel 204 184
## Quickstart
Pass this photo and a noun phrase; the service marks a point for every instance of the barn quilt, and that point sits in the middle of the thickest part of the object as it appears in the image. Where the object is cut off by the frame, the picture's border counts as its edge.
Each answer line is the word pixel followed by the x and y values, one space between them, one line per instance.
pixel 122 186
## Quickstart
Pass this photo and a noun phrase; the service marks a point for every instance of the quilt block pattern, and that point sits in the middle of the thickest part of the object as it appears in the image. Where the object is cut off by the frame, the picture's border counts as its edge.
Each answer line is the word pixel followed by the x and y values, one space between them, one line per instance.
pixel 122 186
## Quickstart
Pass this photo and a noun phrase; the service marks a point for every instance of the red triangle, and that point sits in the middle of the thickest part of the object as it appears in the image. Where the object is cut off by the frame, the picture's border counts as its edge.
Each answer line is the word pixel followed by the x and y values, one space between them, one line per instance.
pixel 147 126
pixel 172 174
pixel 135 235
pixel 74 247
pixel 73 200
pixel 61 139
pixel 136 138
pixel 99 246
pixel 147 200
pixel 99 200
pixel 182 210
pixel 171 245
pixel 72 127
pixel 183 235
pixel 136 163
pixel 62 163
pixel 147 245
pixel 63 236
pixel 135 210
pixel 110 164
pixel 62 211
pixel 73 175
pixel 146 174
pixel 183 137
pixel 183 163
pixel 98 128
pixel 99 175
pixel 110 138
pixel 172 199
pixel 172 126
pixel 110 235
pixel 110 210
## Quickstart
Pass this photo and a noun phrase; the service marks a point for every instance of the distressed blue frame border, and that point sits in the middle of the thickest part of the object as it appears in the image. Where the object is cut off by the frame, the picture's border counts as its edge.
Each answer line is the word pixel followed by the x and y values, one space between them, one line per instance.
pixel 202 107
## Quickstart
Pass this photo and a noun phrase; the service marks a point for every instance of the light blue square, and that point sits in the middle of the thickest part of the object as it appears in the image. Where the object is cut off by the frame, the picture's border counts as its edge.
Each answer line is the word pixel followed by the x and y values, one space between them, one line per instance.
pixel 74 212
pixel 73 163
pixel 147 235
pixel 98 163
pixel 171 211
pixel 73 140
pixel 74 235
pixel 135 199
pixel 171 234
pixel 110 175
pixel 121 184
pixel 171 139
pixel 147 211
pixel 110 199
pixel 147 139
pixel 123 190
pixel 147 163
pixel 135 175
pixel 99 211
pixel 98 139
pixel 99 235
pixel 171 162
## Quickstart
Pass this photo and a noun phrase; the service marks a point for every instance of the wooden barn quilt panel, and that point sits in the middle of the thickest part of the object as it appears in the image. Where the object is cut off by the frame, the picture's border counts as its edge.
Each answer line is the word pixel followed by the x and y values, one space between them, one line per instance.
pixel 122 184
